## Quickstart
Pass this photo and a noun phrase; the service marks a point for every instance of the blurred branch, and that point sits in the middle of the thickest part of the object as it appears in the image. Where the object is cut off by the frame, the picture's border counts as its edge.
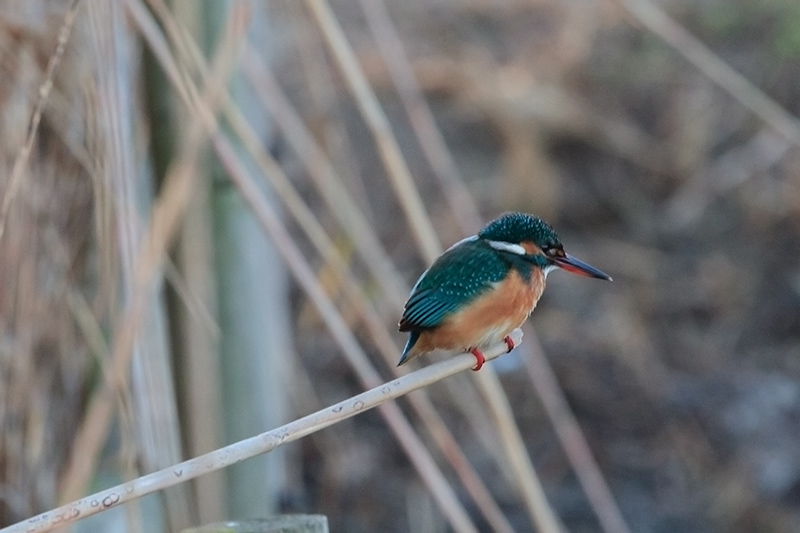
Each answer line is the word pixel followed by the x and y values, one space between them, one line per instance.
pixel 551 108
pixel 754 156
pixel 252 193
pixel 303 142
pixel 253 446
pixel 406 435
pixel 327 180
pixel 399 174
pixel 443 437
pixel 431 140
pixel 15 180
pixel 528 481
pixel 748 94
pixel 572 440
pixel 153 439
pixel 164 220
pixel 466 212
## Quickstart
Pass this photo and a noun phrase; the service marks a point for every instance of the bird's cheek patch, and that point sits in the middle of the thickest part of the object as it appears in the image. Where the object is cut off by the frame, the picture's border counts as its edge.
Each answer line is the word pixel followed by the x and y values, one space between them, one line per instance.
pixel 530 248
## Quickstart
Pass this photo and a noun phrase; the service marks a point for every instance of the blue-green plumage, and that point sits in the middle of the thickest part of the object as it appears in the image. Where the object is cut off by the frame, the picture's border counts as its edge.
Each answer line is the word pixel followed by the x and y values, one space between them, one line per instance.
pixel 458 277
pixel 413 337
pixel 518 227
pixel 473 268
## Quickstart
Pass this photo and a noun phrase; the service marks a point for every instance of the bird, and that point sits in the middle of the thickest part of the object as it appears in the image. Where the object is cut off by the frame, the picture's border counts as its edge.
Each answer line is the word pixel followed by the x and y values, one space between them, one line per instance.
pixel 484 287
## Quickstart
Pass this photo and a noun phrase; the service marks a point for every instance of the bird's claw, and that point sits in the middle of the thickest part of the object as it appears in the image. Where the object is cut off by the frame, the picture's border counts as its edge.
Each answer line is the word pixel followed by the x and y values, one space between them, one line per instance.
pixel 479 359
pixel 509 342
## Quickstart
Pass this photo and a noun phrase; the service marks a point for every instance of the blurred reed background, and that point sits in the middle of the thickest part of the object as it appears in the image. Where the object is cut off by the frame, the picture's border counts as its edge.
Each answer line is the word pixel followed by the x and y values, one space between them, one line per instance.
pixel 223 198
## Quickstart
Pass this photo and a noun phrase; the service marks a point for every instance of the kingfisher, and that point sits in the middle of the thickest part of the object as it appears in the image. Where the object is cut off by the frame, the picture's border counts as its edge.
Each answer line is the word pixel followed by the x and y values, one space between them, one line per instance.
pixel 484 287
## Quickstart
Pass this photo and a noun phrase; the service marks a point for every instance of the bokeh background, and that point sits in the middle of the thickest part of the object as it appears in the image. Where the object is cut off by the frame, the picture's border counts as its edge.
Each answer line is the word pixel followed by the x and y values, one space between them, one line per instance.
pixel 200 166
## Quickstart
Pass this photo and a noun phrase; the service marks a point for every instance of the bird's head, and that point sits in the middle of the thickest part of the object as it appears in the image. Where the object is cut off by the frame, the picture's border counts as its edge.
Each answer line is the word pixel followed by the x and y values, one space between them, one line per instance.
pixel 535 240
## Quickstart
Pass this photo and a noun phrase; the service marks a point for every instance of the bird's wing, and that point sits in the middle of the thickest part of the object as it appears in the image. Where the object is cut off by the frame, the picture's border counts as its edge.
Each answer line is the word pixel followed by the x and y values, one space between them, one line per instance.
pixel 459 276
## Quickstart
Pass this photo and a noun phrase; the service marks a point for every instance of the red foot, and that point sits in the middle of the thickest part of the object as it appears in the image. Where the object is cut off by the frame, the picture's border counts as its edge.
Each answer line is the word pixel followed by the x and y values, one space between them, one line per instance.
pixel 479 359
pixel 510 343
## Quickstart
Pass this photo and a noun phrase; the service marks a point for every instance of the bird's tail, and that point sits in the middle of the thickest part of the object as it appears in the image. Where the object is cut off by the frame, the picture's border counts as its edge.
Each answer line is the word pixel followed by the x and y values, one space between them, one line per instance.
pixel 412 340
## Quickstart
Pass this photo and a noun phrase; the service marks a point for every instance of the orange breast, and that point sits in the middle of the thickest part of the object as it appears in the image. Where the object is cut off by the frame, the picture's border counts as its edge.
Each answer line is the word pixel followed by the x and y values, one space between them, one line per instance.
pixel 487 320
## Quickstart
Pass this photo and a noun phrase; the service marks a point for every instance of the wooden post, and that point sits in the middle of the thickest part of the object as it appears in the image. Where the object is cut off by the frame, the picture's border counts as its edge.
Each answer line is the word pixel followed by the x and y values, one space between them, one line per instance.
pixel 297 523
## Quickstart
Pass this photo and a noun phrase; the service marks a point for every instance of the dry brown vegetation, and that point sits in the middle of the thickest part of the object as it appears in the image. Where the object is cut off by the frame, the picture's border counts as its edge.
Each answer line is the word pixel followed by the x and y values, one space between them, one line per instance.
pixel 663 148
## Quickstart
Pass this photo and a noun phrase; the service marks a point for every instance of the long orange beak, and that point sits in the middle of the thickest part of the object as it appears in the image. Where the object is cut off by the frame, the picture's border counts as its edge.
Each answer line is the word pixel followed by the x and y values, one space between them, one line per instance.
pixel 576 266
